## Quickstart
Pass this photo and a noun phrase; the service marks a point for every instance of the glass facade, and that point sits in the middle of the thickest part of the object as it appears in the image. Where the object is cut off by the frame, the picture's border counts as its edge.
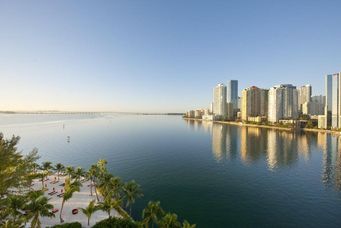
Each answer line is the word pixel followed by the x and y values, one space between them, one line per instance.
pixel 232 93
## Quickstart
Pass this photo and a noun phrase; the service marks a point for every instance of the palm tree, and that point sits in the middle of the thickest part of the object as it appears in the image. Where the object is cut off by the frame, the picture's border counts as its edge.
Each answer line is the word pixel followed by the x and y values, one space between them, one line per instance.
pixel 15 206
pixel 35 166
pixel 47 166
pixel 170 221
pixel 90 210
pixel 70 188
pixel 102 165
pixel 59 168
pixel 152 213
pixel 110 185
pixel 132 191
pixel 41 176
pixel 186 224
pixel 37 207
pixel 79 172
pixel 94 173
pixel 70 171
pixel 110 203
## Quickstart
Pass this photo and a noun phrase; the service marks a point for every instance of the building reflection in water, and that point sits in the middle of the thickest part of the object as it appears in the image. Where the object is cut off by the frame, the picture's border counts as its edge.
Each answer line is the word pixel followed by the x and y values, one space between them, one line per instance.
pixel 219 141
pixel 224 141
pixel 277 148
pixel 252 144
pixel 331 159
pixel 282 149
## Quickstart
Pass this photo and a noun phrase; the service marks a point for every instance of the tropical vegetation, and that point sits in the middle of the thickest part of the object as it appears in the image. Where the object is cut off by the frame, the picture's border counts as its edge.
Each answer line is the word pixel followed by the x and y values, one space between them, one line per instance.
pixel 21 205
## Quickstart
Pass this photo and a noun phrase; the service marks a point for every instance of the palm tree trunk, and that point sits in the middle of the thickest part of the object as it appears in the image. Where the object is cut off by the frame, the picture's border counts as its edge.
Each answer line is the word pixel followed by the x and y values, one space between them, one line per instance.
pixel 88 221
pixel 96 193
pixel 35 221
pixel 61 211
pixel 42 183
pixel 91 183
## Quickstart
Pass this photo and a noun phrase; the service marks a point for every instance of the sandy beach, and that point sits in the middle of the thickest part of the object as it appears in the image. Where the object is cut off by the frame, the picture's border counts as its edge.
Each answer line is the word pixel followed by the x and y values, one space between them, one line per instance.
pixel 79 200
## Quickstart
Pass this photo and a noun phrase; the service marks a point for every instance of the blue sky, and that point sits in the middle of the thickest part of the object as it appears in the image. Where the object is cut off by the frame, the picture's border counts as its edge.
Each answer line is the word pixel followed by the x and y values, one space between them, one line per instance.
pixel 166 56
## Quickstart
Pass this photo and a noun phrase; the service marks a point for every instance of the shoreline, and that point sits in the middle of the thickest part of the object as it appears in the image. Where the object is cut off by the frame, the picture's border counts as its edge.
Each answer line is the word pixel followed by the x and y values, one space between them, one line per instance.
pixel 240 124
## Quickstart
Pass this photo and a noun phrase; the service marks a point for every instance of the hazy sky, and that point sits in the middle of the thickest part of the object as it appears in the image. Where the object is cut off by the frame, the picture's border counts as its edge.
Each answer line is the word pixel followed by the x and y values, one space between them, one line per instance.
pixel 146 55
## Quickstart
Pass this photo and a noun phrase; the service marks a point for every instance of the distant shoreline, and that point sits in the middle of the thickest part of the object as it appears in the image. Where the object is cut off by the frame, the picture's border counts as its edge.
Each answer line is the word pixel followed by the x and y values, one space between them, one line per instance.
pixel 268 127
pixel 88 113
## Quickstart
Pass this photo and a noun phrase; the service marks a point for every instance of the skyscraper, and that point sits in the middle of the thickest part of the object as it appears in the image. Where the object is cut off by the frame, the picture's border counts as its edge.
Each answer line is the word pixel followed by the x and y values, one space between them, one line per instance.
pixel 283 103
pixel 304 95
pixel 333 100
pixel 232 93
pixel 329 100
pixel 219 101
pixel 275 104
pixel 254 102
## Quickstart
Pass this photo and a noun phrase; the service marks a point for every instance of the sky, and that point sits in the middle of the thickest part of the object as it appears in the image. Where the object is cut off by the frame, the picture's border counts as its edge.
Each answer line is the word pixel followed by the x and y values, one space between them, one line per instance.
pixel 157 55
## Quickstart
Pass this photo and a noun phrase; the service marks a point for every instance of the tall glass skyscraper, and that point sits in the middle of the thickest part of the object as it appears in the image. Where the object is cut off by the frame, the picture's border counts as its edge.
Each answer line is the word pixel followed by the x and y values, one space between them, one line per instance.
pixel 329 100
pixel 232 93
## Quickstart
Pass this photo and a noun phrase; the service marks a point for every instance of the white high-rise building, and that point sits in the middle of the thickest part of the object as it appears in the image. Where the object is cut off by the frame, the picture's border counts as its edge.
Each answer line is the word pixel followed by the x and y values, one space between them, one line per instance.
pixel 329 101
pixel 304 95
pixel 219 101
pixel 333 101
pixel 275 104
pixel 283 103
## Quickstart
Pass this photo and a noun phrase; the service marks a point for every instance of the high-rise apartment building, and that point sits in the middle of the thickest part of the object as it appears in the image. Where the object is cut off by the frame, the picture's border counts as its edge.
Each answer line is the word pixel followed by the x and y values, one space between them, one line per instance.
pixel 304 95
pixel 329 100
pixel 254 102
pixel 219 101
pixel 232 93
pixel 333 100
pixel 282 103
pixel 315 106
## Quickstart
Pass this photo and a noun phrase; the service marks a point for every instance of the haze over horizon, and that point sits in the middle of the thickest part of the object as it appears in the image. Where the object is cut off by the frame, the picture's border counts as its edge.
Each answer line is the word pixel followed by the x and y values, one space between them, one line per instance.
pixel 159 56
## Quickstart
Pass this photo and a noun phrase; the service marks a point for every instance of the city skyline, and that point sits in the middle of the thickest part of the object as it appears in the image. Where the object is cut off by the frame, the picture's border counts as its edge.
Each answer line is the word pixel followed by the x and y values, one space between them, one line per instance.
pixel 159 56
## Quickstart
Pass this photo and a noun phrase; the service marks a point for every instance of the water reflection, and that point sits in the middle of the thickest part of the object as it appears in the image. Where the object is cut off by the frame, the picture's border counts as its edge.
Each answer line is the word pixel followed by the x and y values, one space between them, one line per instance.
pixel 277 148
pixel 331 159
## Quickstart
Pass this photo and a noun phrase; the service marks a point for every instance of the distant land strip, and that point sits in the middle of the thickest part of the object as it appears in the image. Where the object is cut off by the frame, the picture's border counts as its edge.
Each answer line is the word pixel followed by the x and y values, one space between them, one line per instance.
pixel 89 113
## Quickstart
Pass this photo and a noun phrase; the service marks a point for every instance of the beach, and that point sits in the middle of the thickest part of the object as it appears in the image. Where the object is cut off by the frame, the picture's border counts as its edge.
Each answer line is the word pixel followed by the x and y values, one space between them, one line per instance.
pixel 80 199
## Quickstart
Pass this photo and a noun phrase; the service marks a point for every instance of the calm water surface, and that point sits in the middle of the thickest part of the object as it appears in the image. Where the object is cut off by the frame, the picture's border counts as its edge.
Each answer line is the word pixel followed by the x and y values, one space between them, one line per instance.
pixel 214 175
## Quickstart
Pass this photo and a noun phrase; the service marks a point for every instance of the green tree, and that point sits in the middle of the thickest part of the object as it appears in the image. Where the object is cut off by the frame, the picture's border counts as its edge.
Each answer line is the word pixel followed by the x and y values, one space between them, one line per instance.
pixel 152 213
pixel 90 210
pixel 110 185
pixel 132 192
pixel 59 168
pixel 170 221
pixel 186 224
pixel 93 175
pixel 15 178
pixel 79 173
pixel 70 171
pixel 45 167
pixel 102 165
pixel 70 188
pixel 37 207
pixel 110 203
pixel 15 206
